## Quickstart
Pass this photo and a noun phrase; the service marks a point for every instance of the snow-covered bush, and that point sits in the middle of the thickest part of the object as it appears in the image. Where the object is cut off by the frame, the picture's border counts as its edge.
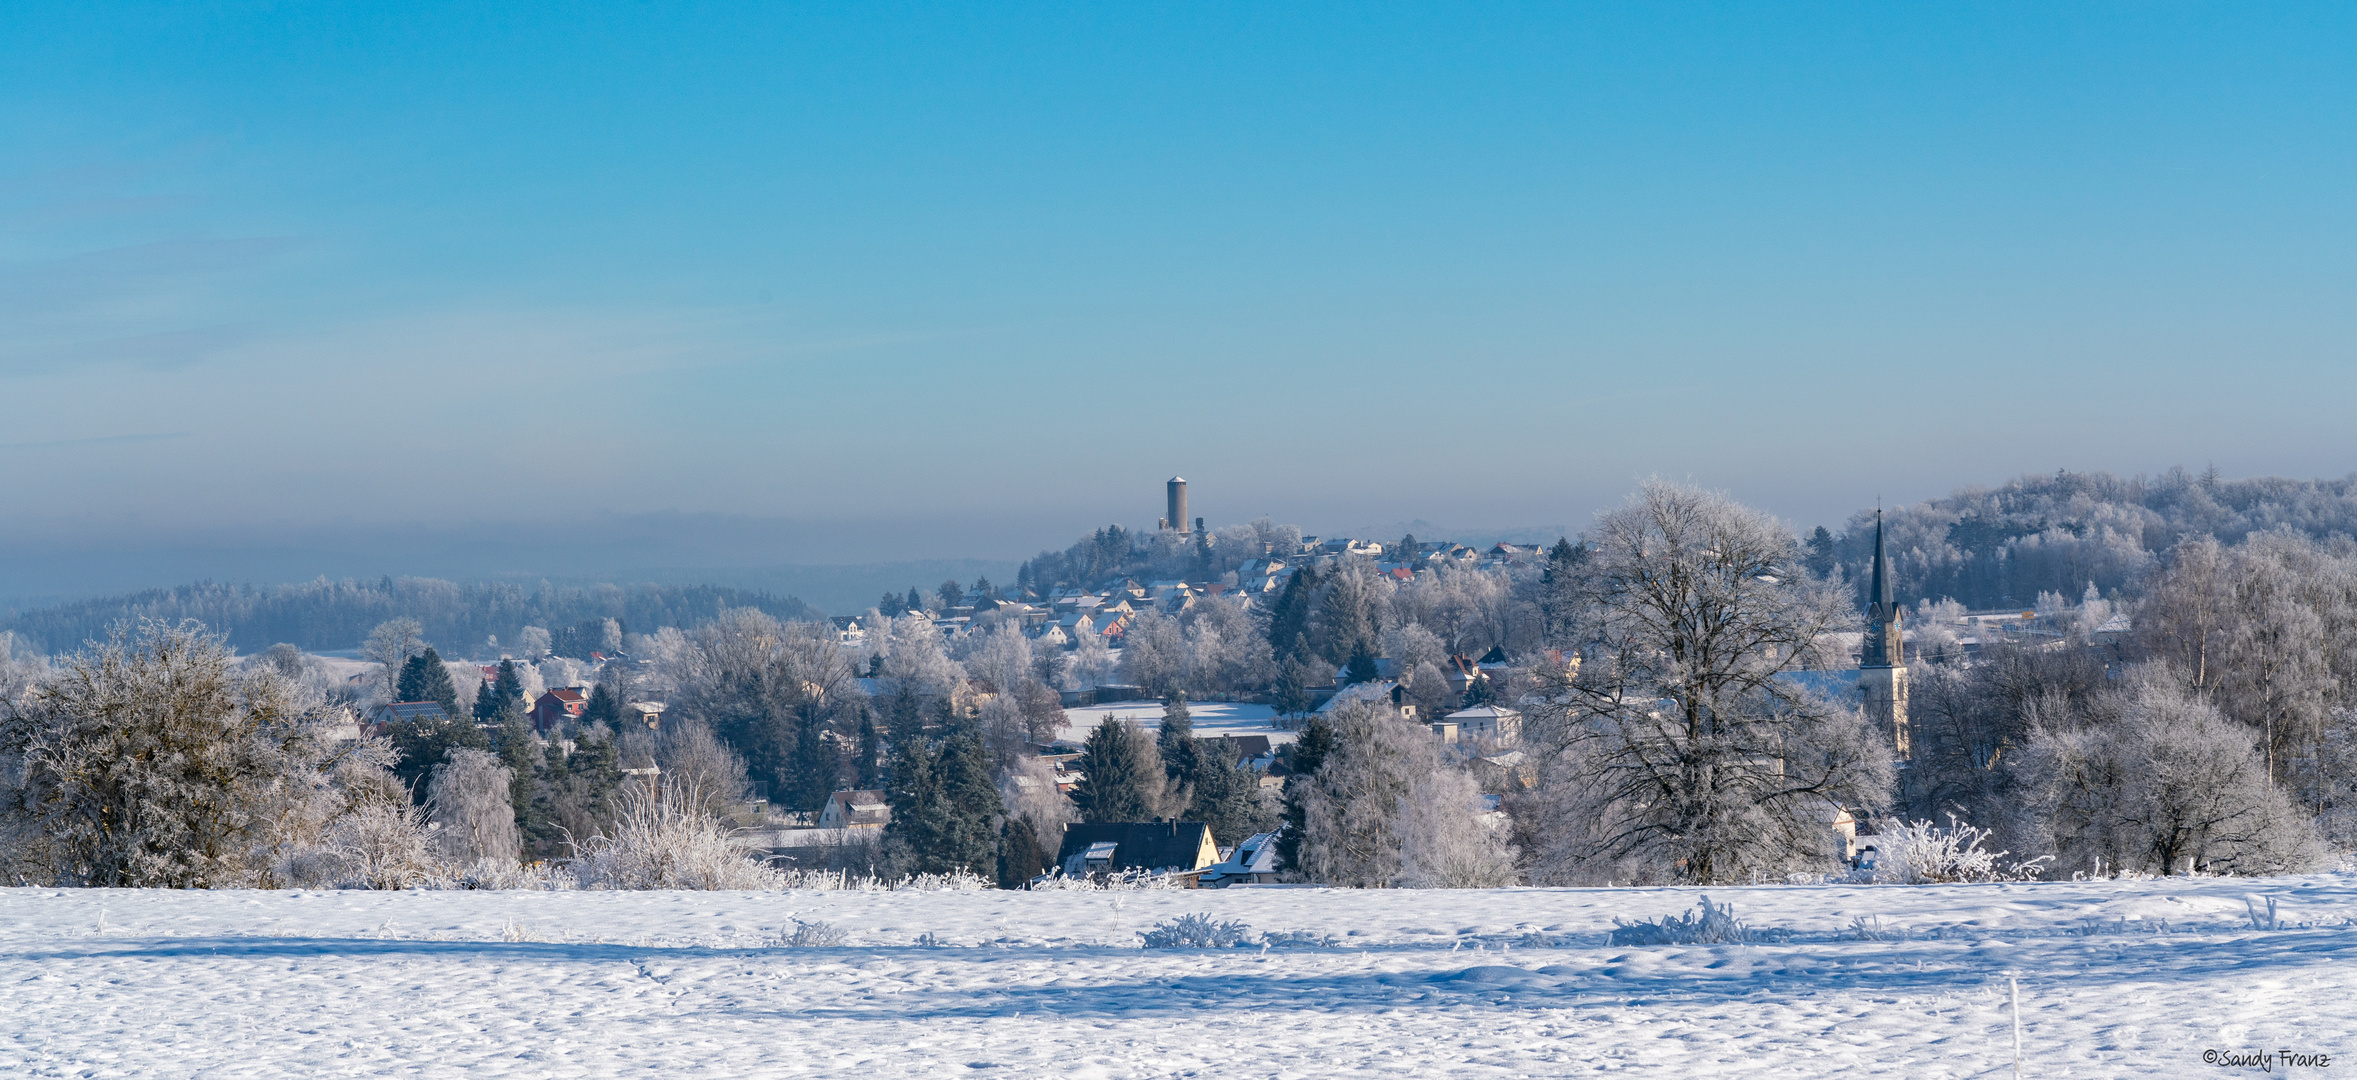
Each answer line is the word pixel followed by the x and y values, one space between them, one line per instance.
pixel 664 839
pixel 1707 924
pixel 1278 939
pixel 1196 931
pixel 846 881
pixel 378 846
pixel 1112 881
pixel 1921 853
pixel 814 935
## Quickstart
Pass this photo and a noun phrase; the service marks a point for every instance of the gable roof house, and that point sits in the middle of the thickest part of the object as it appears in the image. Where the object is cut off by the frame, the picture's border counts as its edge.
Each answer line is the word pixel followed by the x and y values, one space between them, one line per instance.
pixel 1491 724
pixel 558 707
pixel 1156 847
pixel 855 810
pixel 1253 862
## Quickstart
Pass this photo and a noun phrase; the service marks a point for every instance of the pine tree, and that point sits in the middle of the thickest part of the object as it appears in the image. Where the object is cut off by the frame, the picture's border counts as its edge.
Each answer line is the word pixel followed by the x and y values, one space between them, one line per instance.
pixel 1289 616
pixel 811 776
pixel 871 752
pixel 507 690
pixel 1362 664
pixel 1820 557
pixel 1226 795
pixel 605 706
pixel 486 705
pixel 1176 741
pixel 1309 753
pixel 424 742
pixel 523 755
pixel 891 605
pixel 1122 780
pixel 915 601
pixel 1021 855
pixel 972 805
pixel 424 678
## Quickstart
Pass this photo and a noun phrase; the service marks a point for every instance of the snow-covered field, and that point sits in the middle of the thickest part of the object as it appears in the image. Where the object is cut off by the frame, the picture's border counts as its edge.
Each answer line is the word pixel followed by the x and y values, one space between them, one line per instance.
pixel 2117 979
pixel 1211 719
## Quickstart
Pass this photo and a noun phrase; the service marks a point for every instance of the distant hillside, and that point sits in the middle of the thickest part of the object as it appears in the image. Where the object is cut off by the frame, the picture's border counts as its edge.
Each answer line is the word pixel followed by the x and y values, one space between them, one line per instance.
pixel 457 617
pixel 2002 546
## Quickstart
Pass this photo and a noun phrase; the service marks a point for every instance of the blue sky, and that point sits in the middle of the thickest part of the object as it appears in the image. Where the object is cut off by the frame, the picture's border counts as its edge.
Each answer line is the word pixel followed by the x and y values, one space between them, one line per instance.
pixel 946 281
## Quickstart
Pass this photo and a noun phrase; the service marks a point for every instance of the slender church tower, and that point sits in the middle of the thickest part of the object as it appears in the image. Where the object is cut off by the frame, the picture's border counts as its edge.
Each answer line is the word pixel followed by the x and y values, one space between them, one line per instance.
pixel 1882 660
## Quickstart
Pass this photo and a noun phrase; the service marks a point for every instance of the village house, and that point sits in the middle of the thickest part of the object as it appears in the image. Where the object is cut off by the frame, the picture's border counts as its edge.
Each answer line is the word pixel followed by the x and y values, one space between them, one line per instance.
pixel 865 809
pixel 556 708
pixel 1154 847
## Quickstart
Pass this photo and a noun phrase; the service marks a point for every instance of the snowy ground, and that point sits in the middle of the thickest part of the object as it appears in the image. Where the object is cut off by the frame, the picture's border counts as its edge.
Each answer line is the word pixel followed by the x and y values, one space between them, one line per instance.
pixel 2117 979
pixel 1211 719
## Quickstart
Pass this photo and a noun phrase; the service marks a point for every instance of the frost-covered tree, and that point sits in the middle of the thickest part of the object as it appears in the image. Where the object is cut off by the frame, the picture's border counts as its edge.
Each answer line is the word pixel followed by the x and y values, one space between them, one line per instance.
pixel 1677 752
pixel 1093 663
pixel 152 759
pixel 1352 807
pixel 945 809
pixel 1154 653
pixel 468 802
pixel 1447 837
pixel 390 646
pixel 2160 781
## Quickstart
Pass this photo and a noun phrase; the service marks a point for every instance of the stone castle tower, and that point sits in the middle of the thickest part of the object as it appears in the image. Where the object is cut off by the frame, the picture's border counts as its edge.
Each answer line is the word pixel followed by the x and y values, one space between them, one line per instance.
pixel 1882 660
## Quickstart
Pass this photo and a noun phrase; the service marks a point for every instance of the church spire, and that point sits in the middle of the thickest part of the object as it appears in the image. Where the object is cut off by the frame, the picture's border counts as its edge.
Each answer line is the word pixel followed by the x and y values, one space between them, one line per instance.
pixel 1882 645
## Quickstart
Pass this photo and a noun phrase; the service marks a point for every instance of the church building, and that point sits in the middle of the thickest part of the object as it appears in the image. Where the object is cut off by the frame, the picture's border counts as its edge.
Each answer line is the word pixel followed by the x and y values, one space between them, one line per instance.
pixel 1882 661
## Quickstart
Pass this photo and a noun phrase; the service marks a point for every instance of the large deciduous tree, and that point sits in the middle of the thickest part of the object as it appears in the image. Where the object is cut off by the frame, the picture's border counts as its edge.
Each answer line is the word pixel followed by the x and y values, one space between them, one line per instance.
pixel 1677 751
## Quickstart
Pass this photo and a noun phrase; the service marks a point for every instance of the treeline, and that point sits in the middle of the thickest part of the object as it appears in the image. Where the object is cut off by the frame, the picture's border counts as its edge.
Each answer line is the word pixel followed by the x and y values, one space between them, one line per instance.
pixel 1113 553
pixel 323 614
pixel 2003 546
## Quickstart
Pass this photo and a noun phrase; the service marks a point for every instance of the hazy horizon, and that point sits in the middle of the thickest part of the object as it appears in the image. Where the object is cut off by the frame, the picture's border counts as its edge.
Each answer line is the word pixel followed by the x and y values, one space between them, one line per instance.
pixel 448 290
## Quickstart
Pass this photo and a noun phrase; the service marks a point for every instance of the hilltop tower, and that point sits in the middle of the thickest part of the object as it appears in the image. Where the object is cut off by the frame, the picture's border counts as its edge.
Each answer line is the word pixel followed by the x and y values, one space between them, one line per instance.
pixel 1882 659
pixel 1177 496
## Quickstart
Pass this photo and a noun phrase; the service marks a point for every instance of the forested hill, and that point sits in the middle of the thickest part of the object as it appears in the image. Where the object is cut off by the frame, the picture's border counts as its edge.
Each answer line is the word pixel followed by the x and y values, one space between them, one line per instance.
pixel 2002 546
pixel 457 617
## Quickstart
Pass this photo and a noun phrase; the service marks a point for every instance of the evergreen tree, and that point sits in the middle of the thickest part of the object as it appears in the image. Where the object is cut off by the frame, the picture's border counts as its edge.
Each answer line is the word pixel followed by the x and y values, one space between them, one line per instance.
pixel 1308 754
pixel 972 804
pixel 1289 616
pixel 952 594
pixel 811 777
pixel 486 706
pixel 423 678
pixel 1122 780
pixel 1176 741
pixel 871 752
pixel 507 690
pixel 424 742
pixel 1226 795
pixel 527 763
pixel 1362 664
pixel 983 590
pixel 915 601
pixel 1021 854
pixel 1820 557
pixel 604 707
pixel 891 605
pixel 1559 591
pixel 915 797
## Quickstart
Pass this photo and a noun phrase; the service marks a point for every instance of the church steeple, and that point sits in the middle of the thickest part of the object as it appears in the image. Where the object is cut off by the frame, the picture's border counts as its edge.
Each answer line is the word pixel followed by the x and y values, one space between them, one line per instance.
pixel 1883 646
pixel 1882 659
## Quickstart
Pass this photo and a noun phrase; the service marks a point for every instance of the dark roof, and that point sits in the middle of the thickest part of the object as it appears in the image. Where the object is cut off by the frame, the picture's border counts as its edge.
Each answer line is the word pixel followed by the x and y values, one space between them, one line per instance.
pixel 414 710
pixel 1496 655
pixel 1141 845
pixel 1244 748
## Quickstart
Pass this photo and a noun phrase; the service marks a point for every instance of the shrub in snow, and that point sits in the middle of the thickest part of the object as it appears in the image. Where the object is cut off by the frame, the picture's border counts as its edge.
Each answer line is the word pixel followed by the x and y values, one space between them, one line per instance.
pixel 1707 924
pixel 152 759
pixel 1277 939
pixel 1870 928
pixel 1196 931
pixel 1924 854
pixel 468 802
pixel 664 839
pixel 846 881
pixel 813 935
pixel 377 846
pixel 1113 881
